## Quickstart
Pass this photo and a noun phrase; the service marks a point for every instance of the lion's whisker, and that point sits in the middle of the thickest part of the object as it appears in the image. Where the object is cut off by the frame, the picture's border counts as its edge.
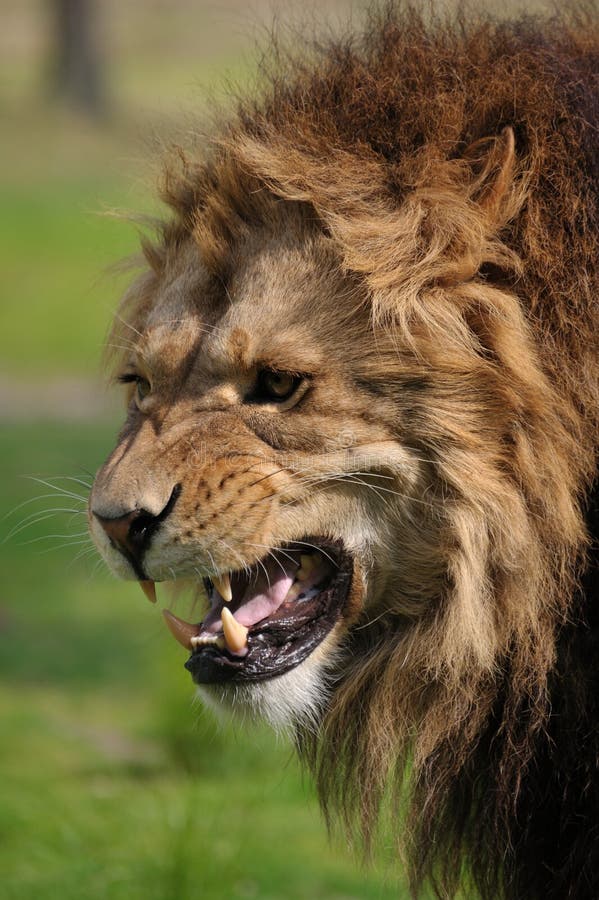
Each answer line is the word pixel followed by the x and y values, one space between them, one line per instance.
pixel 99 563
pixel 276 549
pixel 271 553
pixel 128 325
pixel 37 500
pixel 320 550
pixel 31 521
pixel 236 553
pixel 74 478
pixel 59 547
pixel 87 551
pixel 122 348
pixel 50 537
pixel 56 488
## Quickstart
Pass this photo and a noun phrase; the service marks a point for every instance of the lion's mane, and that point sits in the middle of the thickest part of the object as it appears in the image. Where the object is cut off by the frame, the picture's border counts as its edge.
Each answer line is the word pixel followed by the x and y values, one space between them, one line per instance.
pixel 455 163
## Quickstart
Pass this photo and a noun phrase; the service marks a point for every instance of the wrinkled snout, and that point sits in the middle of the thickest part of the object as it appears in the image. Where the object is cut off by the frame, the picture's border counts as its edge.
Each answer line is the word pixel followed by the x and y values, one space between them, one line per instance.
pixel 188 500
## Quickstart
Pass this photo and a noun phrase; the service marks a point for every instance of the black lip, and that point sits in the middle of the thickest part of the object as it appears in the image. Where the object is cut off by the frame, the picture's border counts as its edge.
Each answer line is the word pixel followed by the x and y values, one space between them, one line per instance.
pixel 279 644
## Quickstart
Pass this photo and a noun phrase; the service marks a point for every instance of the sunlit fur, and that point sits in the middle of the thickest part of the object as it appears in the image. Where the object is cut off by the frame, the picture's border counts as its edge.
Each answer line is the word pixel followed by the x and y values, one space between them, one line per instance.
pixel 442 178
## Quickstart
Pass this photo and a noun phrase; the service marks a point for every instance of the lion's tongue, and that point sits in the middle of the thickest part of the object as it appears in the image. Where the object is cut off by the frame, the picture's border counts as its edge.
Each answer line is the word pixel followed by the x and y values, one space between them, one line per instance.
pixel 260 597
pixel 263 596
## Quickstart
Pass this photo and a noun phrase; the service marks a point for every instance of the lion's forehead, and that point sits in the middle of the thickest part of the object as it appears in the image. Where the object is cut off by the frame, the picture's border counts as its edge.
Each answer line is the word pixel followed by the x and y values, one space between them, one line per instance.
pixel 234 346
pixel 279 310
pixel 177 290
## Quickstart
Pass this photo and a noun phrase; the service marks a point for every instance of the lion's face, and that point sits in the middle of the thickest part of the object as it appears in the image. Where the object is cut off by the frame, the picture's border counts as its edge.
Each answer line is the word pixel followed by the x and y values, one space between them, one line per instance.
pixel 261 458
pixel 334 428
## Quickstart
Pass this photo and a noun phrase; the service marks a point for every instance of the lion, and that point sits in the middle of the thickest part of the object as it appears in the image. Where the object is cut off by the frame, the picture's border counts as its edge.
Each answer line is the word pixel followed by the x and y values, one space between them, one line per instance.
pixel 363 416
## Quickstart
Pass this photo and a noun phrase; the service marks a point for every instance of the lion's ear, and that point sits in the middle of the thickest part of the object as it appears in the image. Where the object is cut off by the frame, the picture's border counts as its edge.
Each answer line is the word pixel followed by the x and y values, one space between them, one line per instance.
pixel 444 228
pixel 492 162
pixel 481 193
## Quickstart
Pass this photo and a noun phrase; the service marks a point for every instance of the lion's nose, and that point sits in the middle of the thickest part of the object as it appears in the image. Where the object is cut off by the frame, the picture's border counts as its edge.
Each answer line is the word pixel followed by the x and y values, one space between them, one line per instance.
pixel 131 533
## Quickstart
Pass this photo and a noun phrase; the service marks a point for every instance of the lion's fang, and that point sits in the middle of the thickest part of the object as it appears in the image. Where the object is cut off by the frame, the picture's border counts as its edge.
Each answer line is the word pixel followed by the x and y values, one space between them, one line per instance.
pixel 182 631
pixel 235 633
pixel 222 583
pixel 149 589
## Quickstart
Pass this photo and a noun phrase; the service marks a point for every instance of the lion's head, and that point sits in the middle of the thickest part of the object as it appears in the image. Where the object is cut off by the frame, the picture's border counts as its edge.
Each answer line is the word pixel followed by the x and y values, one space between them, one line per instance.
pixel 354 415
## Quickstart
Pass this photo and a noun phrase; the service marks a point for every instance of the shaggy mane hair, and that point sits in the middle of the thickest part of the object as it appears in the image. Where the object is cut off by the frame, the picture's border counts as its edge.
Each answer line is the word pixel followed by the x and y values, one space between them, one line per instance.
pixel 455 163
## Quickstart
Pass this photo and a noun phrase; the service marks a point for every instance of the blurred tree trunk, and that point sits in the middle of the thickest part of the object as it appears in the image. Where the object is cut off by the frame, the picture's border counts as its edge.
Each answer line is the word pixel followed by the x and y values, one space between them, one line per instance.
pixel 79 71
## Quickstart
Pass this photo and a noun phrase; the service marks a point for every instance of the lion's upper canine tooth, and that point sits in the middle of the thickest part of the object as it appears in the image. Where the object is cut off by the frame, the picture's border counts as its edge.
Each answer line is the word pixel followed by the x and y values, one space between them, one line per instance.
pixel 181 631
pixel 149 589
pixel 235 633
pixel 222 583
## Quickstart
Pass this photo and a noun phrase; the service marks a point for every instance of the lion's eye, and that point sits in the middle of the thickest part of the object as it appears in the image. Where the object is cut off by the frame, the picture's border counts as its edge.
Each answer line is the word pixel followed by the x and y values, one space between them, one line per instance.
pixel 142 385
pixel 142 389
pixel 275 387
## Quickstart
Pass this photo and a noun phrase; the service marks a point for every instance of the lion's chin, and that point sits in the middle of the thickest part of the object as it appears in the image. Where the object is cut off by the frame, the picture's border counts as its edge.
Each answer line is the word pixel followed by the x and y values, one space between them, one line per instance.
pixel 297 697
pixel 268 619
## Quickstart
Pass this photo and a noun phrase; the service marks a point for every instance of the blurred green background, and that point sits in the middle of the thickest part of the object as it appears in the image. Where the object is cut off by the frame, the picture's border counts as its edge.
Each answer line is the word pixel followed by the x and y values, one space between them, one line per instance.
pixel 116 784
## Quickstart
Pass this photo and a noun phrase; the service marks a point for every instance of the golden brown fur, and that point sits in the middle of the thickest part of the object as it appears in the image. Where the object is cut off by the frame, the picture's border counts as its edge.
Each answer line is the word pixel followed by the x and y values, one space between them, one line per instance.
pixel 411 217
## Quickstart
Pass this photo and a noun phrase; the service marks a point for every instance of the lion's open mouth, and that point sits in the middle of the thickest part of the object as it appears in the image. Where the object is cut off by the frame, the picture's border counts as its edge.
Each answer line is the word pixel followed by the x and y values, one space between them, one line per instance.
pixel 265 619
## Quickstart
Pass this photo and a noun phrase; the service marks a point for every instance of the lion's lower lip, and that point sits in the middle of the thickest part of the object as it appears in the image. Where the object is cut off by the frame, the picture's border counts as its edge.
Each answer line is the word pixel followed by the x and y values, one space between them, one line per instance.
pixel 279 641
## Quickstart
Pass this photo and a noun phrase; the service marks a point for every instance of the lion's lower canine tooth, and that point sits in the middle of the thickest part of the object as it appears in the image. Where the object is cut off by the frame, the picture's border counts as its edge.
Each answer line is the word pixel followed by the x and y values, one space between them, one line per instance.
pixel 149 589
pixel 222 583
pixel 307 565
pixel 235 633
pixel 293 592
pixel 180 630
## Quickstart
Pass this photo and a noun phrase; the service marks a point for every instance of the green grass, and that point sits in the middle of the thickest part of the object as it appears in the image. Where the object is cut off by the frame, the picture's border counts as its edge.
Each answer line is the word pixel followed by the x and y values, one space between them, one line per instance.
pixel 115 783
pixel 57 302
pixel 61 171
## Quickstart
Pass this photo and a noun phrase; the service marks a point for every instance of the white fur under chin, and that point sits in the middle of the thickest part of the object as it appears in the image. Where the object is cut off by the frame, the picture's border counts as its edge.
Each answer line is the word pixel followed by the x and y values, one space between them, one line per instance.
pixel 296 697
